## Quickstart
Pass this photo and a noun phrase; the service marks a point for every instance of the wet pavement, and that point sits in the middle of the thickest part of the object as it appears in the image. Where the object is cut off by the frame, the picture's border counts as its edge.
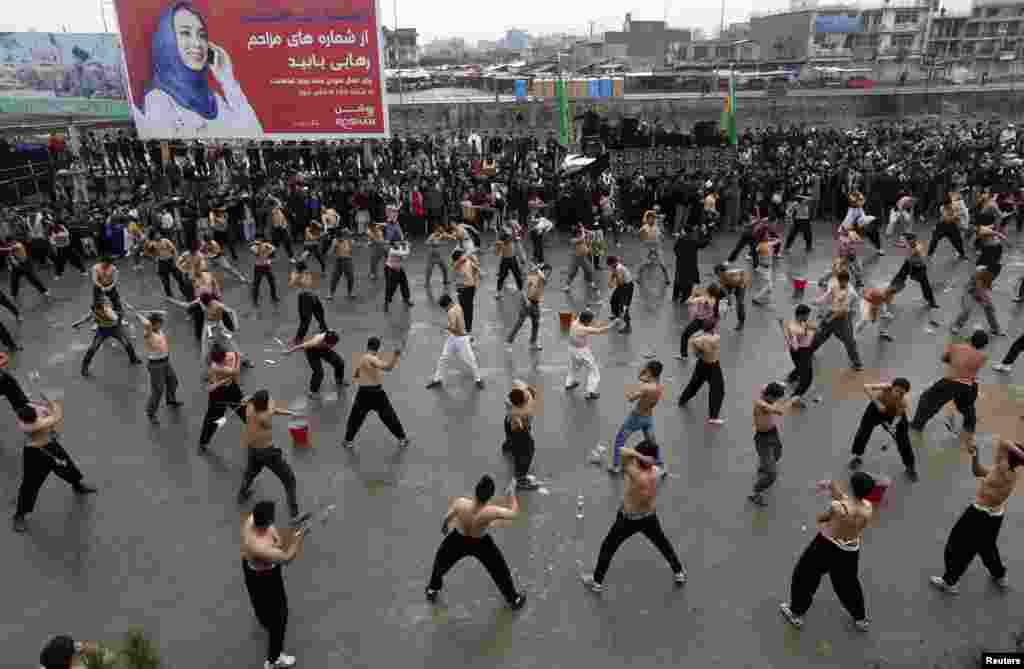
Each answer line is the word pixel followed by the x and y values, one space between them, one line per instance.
pixel 158 546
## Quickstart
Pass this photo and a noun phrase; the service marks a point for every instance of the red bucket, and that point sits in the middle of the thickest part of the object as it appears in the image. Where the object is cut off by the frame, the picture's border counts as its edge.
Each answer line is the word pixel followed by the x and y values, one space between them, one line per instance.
pixel 799 284
pixel 299 430
pixel 877 494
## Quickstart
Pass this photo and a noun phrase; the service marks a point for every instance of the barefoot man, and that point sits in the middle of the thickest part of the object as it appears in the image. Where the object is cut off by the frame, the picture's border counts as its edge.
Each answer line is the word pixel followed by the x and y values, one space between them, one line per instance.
pixel 637 514
pixel 162 378
pixel 977 530
pixel 258 440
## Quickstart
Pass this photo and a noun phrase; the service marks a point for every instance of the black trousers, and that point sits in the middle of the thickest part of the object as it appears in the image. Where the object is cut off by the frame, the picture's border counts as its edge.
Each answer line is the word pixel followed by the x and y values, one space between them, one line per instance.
pixel 802 227
pixel 710 373
pixel 822 557
pixel 372 398
pixel 281 236
pixel 803 370
pixel 7 304
pixel 975 533
pixel 309 306
pixel 919 274
pixel 316 358
pixel 843 330
pixel 393 280
pixel 260 275
pixel 939 394
pixel 313 249
pixel 456 546
pixel 695 326
pixel 37 464
pixel 622 299
pixel 162 379
pixel 11 389
pixel 537 240
pixel 1015 350
pixel 25 270
pixel 529 310
pixel 226 241
pixel 946 231
pixel 273 459
pixel 466 296
pixel 64 254
pixel 768 446
pixel 684 282
pixel 872 418
pixel 343 266
pixel 270 603
pixel 746 239
pixel 623 528
pixel 6 339
pixel 222 400
pixel 519 445
pixel 166 270
pixel 102 334
pixel 506 266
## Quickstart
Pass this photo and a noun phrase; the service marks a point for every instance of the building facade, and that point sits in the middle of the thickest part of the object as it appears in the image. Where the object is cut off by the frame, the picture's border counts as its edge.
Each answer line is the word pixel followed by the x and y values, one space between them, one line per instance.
pixel 989 39
pixel 401 48
pixel 645 45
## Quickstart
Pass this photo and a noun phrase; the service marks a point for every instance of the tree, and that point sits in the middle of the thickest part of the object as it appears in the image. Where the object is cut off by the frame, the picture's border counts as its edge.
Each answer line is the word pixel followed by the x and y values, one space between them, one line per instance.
pixel 137 651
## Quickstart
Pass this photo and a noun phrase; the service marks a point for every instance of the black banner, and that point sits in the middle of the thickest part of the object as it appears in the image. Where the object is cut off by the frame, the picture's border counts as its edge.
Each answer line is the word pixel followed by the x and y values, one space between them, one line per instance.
pixel 668 161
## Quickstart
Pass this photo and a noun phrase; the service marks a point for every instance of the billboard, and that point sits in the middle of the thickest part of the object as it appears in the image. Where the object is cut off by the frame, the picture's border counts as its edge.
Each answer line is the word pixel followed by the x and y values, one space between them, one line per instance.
pixel 87 66
pixel 247 69
pixel 838 23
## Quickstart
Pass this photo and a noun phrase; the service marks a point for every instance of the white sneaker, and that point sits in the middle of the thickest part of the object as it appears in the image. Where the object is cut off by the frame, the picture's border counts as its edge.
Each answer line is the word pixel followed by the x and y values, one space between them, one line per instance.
pixel 282 661
pixel 941 584
pixel 1000 367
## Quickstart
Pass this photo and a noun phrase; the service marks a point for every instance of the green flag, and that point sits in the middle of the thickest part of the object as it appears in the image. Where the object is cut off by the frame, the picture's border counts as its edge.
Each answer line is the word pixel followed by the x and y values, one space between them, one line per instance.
pixel 729 112
pixel 564 121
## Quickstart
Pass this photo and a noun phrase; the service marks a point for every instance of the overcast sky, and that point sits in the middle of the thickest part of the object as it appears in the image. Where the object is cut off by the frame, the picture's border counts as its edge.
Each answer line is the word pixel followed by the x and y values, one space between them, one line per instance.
pixel 472 19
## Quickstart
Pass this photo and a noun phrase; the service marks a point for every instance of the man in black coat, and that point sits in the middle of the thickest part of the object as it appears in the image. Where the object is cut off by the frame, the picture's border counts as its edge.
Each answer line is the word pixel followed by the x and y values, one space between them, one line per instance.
pixel 687 268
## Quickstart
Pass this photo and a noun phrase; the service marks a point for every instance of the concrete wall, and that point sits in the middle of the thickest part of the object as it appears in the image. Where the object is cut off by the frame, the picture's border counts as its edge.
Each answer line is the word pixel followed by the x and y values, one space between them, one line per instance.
pixel 837 110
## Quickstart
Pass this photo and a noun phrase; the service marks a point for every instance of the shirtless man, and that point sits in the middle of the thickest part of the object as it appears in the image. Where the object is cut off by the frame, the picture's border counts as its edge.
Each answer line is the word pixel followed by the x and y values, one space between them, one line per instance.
pixel 63 652
pixel 799 335
pixel 280 234
pixel 620 282
pixel 581 357
pixel 977 530
pixel 342 251
pixel 224 375
pixel 889 406
pixel 214 253
pixel 108 325
pixel 465 527
pixel 767 441
pixel 505 249
pixel 371 396
pixel 320 349
pixel 43 454
pixel 708 347
pixel 734 282
pixel 457 345
pixel 519 444
pixel 166 253
pixel 467 280
pixel 641 419
pixel 104 283
pixel 835 551
pixel 263 554
pixel 533 298
pixel 637 514
pixel 839 298
pixel 650 235
pixel 302 278
pixel 378 246
pixel 439 237
pixel 959 384
pixel 21 266
pixel 161 375
pixel 581 260
pixel 258 441
pixel 263 270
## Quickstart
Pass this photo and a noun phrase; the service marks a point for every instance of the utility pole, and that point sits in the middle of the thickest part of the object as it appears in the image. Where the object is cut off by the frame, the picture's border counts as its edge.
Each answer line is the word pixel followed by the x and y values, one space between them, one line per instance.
pixel 398 54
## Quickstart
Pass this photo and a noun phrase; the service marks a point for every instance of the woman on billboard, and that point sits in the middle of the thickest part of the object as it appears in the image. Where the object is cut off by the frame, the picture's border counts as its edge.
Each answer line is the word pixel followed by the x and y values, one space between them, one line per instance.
pixel 179 101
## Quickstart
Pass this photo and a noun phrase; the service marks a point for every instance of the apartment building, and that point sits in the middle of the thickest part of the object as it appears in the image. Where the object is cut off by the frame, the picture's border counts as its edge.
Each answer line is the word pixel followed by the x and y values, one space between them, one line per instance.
pixel 987 39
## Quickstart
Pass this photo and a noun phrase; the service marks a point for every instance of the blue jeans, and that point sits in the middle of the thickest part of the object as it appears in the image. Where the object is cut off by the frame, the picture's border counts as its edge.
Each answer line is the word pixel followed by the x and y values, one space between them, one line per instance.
pixel 633 423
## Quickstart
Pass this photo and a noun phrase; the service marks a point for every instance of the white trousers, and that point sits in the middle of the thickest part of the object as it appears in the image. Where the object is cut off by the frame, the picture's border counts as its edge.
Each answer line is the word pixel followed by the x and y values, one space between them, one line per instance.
pixel 583 367
pixel 460 349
